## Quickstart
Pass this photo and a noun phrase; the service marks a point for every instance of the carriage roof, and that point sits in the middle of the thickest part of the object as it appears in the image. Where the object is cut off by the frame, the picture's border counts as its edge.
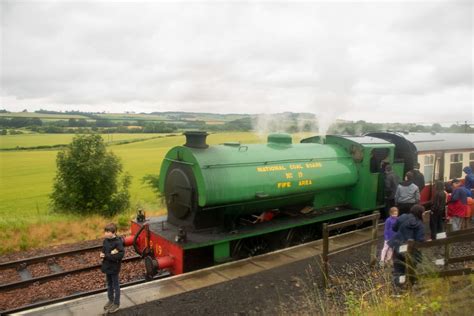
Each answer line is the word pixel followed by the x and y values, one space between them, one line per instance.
pixel 441 141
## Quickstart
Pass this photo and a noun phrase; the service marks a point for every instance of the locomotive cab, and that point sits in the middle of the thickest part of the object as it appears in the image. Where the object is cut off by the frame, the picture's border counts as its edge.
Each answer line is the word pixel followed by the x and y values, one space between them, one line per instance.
pixel 369 155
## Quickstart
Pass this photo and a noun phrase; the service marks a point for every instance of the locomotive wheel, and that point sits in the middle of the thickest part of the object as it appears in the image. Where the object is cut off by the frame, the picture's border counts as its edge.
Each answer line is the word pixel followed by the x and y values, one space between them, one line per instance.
pixel 250 247
pixel 300 235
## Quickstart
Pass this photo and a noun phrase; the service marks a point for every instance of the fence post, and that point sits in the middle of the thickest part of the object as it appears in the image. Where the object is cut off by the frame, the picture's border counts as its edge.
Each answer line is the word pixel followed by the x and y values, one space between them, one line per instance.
pixel 447 249
pixel 373 245
pixel 409 261
pixel 325 255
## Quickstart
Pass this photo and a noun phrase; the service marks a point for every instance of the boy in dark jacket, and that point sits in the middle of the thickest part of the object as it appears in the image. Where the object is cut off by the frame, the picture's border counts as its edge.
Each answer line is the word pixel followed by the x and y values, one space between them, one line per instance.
pixel 112 254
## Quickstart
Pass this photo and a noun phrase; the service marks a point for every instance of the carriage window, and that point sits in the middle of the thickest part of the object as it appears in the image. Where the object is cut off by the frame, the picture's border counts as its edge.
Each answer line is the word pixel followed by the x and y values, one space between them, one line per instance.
pixel 471 160
pixel 428 167
pixel 455 169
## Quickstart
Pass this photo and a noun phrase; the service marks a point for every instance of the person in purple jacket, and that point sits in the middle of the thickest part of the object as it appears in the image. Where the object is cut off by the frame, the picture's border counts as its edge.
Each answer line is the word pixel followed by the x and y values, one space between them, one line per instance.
pixel 387 251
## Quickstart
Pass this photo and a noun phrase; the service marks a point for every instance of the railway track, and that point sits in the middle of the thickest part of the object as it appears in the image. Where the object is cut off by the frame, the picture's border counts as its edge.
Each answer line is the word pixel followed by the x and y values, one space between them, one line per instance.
pixel 56 275
pixel 50 271
pixel 47 267
pixel 36 259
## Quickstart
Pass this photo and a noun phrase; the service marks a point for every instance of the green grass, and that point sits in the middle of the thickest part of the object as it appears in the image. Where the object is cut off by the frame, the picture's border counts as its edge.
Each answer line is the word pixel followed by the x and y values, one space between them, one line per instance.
pixel 31 140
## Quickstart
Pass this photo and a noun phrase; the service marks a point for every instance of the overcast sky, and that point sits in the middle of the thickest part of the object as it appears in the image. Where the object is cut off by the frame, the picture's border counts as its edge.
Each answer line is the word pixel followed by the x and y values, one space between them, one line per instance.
pixel 377 61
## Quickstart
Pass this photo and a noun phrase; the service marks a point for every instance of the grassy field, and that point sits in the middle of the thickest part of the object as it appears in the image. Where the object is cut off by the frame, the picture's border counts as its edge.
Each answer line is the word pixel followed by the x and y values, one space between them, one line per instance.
pixel 26 179
pixel 31 140
pixel 172 116
pixel 43 115
pixel 132 116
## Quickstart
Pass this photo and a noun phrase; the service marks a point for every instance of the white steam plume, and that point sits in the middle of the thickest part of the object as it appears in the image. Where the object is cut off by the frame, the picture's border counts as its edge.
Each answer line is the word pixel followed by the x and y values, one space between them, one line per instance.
pixel 328 90
pixel 336 79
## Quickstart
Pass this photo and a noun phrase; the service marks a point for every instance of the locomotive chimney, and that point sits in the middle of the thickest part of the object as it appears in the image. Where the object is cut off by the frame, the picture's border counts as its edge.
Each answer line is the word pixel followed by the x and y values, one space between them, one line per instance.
pixel 195 139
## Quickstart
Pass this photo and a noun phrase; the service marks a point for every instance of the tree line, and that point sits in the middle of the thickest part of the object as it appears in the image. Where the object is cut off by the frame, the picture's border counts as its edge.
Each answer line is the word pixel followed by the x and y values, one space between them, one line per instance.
pixel 286 122
pixel 110 126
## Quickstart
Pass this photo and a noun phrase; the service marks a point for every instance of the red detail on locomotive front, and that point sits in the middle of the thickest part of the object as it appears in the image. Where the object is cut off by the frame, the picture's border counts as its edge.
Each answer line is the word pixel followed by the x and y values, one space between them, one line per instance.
pixel 163 248
pixel 168 254
pixel 128 241
pixel 165 262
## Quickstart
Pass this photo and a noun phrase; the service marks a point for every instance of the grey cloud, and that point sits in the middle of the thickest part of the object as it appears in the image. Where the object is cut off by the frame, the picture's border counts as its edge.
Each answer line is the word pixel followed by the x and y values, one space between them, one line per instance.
pixel 335 59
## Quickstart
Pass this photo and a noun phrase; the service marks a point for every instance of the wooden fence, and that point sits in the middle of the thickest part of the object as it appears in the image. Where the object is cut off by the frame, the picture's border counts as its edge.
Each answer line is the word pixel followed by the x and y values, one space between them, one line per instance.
pixel 327 228
pixel 444 240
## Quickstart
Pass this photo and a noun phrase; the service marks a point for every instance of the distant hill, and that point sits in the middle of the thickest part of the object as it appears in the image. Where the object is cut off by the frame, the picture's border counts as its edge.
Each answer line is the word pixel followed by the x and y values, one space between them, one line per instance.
pixel 45 121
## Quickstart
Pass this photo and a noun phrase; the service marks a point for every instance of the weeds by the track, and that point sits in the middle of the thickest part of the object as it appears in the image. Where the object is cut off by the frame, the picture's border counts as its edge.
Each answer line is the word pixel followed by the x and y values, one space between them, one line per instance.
pixel 20 236
pixel 355 289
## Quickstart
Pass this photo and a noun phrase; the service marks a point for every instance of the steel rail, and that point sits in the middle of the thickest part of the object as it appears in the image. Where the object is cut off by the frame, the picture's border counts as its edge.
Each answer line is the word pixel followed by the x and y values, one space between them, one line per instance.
pixel 37 259
pixel 24 283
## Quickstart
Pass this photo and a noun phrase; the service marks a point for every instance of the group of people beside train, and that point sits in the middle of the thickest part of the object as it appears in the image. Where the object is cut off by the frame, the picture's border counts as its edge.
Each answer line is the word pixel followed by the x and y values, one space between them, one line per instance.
pixel 451 202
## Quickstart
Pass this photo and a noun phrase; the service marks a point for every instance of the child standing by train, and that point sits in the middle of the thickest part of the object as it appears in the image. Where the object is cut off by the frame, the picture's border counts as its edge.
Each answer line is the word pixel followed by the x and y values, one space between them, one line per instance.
pixel 387 251
pixel 112 254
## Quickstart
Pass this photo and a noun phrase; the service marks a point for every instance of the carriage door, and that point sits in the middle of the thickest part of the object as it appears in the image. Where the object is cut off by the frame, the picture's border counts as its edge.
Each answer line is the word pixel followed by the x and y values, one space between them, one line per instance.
pixel 438 169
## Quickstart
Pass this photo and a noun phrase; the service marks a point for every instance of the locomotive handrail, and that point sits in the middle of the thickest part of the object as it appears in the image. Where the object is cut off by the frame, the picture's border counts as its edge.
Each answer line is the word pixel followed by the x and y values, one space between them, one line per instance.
pixel 259 163
pixel 135 247
pixel 180 161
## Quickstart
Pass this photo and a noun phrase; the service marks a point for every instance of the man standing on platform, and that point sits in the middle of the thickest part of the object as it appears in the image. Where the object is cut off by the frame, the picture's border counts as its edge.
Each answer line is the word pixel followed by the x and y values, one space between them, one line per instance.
pixel 418 177
pixel 407 194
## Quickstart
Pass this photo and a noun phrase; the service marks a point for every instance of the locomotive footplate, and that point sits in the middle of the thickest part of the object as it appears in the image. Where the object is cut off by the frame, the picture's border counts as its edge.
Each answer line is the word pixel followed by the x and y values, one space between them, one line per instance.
pixel 197 249
pixel 208 237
